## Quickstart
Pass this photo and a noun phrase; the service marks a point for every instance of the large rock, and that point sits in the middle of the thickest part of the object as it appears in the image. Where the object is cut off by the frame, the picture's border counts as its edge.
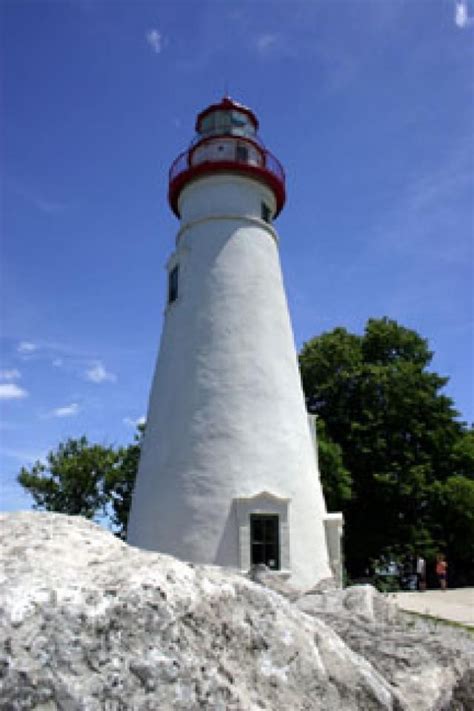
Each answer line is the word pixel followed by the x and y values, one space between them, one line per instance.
pixel 90 623
pixel 432 666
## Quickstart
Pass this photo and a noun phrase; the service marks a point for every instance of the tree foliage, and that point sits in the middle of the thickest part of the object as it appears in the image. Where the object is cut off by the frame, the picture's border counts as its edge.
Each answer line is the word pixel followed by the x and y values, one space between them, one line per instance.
pixel 119 483
pixel 335 478
pixel 90 480
pixel 399 436
pixel 71 480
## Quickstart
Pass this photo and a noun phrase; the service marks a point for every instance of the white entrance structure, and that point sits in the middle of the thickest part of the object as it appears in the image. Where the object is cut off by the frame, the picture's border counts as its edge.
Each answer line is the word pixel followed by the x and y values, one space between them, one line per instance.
pixel 228 473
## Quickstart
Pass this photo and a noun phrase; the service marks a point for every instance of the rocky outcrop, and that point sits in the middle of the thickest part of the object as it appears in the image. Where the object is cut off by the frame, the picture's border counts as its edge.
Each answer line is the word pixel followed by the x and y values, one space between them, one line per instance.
pixel 90 623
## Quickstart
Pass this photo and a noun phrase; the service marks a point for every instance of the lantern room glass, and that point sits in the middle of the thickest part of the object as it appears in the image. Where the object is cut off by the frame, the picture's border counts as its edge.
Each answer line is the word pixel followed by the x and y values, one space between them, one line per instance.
pixel 230 122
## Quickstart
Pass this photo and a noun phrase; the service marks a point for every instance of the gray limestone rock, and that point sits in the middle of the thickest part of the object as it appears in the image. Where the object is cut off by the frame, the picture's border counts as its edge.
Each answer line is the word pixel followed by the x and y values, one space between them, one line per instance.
pixel 89 623
pixel 432 666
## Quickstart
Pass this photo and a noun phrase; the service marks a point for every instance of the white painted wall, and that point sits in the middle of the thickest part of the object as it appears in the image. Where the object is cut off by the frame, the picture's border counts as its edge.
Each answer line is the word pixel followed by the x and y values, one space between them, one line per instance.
pixel 334 526
pixel 227 418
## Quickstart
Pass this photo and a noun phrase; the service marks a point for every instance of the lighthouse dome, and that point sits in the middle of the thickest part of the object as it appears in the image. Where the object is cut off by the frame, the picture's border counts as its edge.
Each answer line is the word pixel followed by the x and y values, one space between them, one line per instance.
pixel 227 118
pixel 226 141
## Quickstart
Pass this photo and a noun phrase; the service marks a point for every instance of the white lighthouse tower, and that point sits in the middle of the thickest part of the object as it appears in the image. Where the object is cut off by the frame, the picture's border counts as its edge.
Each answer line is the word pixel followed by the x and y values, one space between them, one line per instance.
pixel 228 473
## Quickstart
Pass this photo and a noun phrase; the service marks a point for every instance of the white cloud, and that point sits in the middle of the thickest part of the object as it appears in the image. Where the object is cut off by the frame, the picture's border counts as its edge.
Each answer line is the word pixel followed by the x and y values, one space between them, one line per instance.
pixel 66 411
pixel 12 374
pixel 98 374
pixel 57 362
pixel 155 40
pixel 27 347
pixel 130 422
pixel 33 197
pixel 10 391
pixel 461 14
pixel 265 42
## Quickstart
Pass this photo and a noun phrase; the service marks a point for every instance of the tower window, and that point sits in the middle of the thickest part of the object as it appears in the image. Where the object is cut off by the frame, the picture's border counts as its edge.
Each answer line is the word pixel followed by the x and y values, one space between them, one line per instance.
pixel 266 212
pixel 173 284
pixel 264 540
pixel 241 153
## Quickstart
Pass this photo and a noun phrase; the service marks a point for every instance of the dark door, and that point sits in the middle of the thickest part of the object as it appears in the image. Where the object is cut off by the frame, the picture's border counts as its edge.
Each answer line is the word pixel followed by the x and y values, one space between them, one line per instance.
pixel 264 540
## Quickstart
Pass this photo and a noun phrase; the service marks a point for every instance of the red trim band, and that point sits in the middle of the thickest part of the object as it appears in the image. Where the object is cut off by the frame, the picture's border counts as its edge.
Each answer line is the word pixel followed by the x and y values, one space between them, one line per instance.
pixel 181 178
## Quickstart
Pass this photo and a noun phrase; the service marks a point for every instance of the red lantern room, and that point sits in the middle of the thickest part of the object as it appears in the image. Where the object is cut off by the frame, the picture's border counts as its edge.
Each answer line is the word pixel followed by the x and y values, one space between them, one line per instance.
pixel 226 141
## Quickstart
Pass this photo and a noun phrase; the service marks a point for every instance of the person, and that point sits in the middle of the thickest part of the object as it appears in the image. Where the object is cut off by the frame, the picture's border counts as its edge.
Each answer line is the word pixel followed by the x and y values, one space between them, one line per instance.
pixel 421 573
pixel 441 570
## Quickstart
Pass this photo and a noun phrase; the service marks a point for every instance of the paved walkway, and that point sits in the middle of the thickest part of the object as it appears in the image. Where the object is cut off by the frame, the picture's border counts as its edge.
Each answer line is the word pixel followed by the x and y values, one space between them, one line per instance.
pixel 455 605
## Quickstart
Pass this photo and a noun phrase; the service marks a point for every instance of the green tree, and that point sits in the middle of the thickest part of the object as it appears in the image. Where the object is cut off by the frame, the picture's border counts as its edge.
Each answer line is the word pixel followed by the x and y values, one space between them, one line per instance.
pixel 91 480
pixel 462 460
pixel 397 431
pixel 457 516
pixel 119 483
pixel 335 478
pixel 71 480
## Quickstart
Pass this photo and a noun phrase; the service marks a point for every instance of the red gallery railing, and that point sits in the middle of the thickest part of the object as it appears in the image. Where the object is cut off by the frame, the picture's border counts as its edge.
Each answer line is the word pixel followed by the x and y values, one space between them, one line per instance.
pixel 270 163
pixel 265 168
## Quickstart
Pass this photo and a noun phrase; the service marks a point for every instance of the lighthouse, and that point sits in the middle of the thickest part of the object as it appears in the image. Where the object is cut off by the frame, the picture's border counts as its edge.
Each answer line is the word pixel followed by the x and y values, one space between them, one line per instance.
pixel 228 473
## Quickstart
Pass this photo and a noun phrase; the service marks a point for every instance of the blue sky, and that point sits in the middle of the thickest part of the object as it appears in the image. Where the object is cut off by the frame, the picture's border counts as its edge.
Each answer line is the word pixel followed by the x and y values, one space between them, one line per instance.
pixel 369 106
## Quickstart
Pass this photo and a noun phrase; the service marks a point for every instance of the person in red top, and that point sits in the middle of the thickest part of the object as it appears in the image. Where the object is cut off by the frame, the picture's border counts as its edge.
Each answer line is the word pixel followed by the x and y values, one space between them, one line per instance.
pixel 441 570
